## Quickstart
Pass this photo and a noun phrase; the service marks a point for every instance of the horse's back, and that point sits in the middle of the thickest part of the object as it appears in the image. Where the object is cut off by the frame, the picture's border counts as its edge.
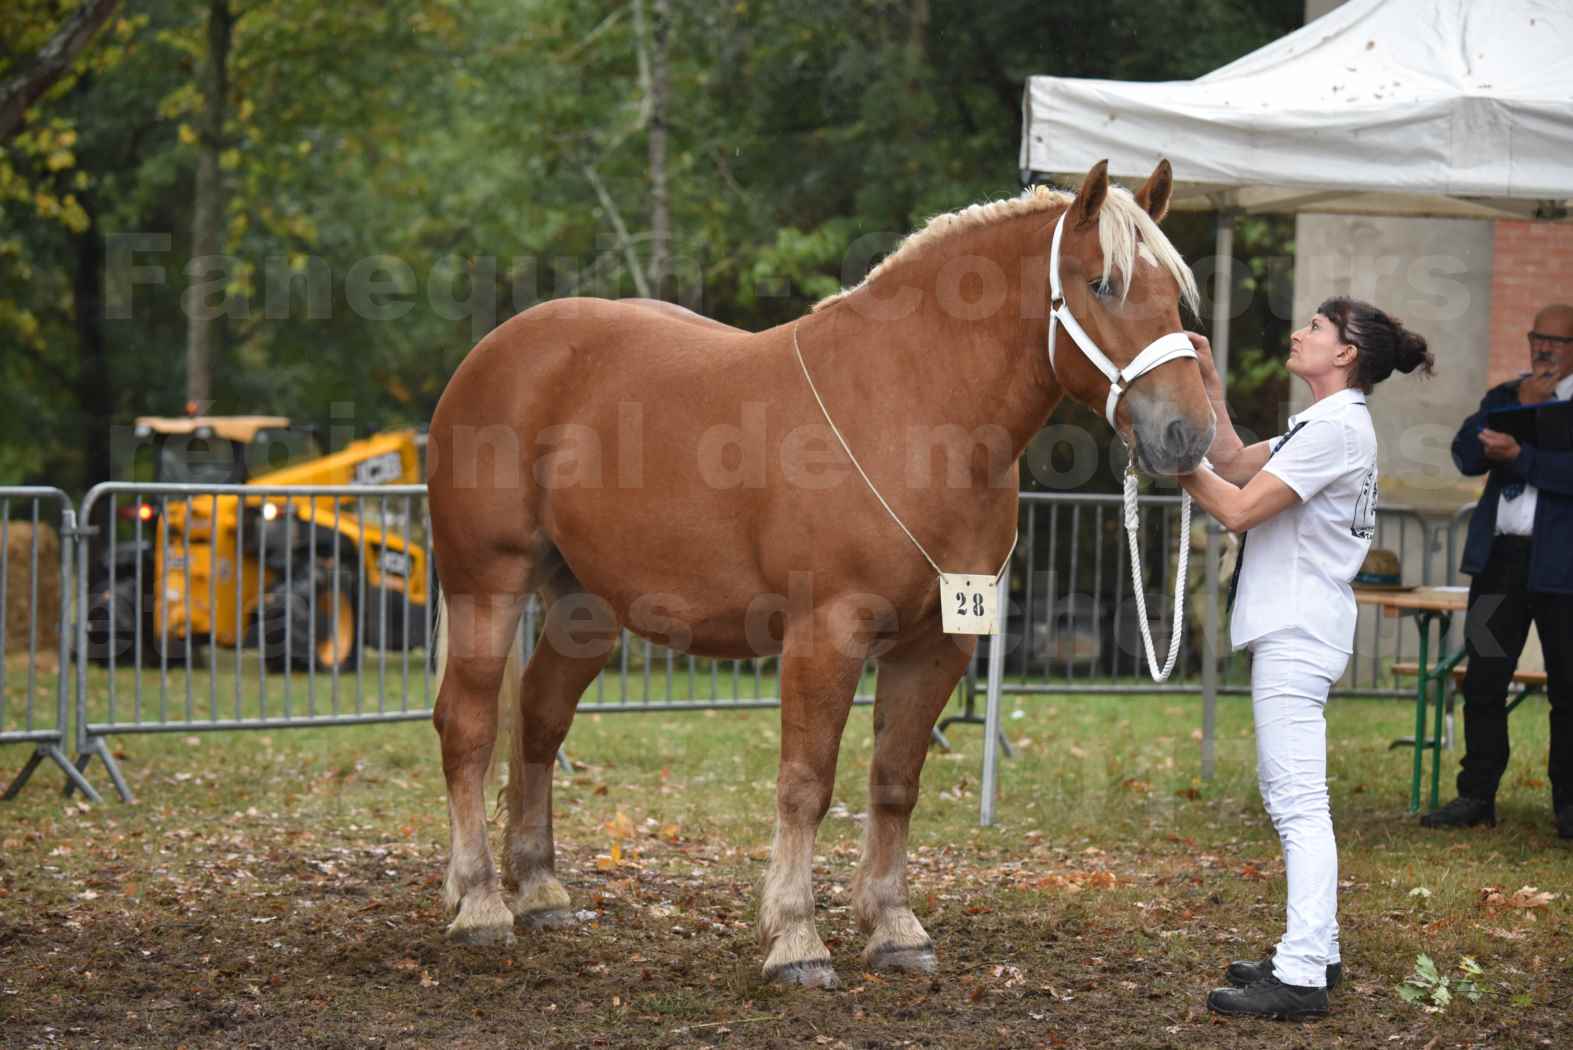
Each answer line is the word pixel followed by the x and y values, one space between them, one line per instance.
pixel 680 313
pixel 590 422
pixel 567 348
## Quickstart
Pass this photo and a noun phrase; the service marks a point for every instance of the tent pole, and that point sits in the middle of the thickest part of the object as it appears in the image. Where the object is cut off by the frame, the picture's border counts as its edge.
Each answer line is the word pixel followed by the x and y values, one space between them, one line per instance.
pixel 1210 628
pixel 1223 288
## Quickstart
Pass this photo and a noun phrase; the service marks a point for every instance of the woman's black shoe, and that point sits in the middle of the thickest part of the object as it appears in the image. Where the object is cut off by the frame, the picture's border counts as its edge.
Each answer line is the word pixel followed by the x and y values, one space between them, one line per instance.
pixel 1462 812
pixel 1241 974
pixel 1270 997
pixel 1565 822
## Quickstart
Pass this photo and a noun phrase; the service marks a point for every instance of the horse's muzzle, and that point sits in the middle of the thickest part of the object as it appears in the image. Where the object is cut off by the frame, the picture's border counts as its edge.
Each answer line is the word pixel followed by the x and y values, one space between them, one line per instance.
pixel 1173 447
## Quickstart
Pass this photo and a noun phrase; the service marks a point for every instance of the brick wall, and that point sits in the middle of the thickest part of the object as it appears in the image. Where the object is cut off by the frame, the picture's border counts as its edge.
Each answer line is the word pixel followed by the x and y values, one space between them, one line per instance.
pixel 1532 266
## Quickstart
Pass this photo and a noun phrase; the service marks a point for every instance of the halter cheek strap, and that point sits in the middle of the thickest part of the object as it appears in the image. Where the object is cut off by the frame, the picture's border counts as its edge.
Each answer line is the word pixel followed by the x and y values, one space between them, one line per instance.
pixel 1163 349
pixel 1160 351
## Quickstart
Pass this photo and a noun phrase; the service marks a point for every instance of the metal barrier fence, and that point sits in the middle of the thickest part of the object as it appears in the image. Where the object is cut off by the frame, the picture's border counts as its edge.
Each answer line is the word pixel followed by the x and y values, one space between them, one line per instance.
pixel 1074 624
pixel 1457 528
pixel 228 607
pixel 290 582
pixel 1380 640
pixel 35 712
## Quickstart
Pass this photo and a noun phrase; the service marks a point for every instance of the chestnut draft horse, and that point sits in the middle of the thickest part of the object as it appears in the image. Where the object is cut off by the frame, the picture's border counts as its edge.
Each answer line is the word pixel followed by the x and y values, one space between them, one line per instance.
pixel 638 465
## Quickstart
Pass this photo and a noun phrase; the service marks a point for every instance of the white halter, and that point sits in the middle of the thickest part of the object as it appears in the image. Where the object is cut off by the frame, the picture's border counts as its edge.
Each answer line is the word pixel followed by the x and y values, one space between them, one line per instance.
pixel 1160 351
pixel 1163 349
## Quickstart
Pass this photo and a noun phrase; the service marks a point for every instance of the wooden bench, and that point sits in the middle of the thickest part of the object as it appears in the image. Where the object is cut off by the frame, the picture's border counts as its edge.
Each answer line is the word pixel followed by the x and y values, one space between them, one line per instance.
pixel 1528 679
pixel 1528 682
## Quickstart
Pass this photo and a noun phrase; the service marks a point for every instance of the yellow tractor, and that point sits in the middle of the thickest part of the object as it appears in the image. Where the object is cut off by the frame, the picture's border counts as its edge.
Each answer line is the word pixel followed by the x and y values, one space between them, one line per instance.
pixel 309 579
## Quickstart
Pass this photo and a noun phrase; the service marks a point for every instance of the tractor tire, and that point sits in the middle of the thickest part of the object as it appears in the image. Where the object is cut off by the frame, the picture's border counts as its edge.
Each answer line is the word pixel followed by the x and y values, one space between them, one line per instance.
pixel 122 640
pixel 310 623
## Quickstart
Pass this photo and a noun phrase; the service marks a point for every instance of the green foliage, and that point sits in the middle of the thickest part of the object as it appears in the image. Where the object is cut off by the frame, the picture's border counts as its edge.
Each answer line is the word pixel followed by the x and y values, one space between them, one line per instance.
pixel 1434 990
pixel 455 141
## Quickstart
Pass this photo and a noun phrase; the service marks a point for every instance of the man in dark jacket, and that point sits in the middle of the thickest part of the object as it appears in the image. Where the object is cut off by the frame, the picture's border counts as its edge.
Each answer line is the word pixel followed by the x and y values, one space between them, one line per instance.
pixel 1520 553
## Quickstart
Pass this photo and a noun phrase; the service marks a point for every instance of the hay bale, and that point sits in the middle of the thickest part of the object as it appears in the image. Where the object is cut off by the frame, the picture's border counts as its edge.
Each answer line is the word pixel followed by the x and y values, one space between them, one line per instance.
pixel 20 607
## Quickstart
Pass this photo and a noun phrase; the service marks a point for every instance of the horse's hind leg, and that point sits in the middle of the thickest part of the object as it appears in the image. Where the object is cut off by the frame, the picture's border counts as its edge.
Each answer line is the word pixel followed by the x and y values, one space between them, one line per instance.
pixel 479 628
pixel 818 679
pixel 914 685
pixel 572 650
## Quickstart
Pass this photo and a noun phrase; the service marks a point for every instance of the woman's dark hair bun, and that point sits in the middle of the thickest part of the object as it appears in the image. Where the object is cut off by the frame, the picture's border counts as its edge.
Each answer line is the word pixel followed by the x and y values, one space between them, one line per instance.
pixel 1384 343
pixel 1411 352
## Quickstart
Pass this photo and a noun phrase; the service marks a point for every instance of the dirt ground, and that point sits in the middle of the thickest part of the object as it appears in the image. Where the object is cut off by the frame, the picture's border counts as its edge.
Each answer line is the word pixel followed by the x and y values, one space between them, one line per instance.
pixel 262 934
pixel 281 890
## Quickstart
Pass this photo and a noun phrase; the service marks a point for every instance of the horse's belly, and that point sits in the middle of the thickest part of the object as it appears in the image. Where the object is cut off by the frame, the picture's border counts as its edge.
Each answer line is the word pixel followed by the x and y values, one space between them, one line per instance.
pixel 689 583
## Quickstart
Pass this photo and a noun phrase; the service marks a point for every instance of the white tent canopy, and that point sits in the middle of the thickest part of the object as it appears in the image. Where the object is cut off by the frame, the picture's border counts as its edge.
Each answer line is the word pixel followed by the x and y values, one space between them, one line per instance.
pixel 1391 107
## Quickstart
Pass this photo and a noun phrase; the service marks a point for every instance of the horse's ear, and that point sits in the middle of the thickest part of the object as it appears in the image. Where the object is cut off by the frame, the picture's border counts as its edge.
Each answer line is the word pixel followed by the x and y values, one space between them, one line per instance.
pixel 1089 199
pixel 1156 191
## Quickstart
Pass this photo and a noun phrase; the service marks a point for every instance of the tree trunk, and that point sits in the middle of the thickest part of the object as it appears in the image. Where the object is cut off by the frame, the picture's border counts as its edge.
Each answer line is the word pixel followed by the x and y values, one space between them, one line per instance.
pixel 204 320
pixel 94 391
pixel 660 199
pixel 53 60
pixel 917 39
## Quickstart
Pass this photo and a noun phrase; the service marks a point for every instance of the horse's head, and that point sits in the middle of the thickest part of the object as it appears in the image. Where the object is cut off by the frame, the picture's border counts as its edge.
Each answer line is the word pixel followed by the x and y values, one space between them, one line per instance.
pixel 1122 280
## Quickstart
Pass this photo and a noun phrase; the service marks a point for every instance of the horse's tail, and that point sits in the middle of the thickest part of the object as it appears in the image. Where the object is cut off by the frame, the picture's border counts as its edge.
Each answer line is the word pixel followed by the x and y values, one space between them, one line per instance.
pixel 440 656
pixel 508 704
pixel 507 694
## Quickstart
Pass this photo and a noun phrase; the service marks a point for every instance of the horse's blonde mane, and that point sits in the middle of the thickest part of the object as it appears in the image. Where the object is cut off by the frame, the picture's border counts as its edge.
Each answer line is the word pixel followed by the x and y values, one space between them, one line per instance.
pixel 1124 228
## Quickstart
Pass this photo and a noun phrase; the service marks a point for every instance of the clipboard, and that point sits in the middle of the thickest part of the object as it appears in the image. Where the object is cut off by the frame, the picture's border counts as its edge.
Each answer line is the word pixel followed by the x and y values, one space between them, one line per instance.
pixel 1548 425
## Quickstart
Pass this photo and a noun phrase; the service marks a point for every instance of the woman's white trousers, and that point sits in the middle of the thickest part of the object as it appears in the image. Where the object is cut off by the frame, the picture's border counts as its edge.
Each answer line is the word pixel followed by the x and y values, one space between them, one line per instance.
pixel 1291 674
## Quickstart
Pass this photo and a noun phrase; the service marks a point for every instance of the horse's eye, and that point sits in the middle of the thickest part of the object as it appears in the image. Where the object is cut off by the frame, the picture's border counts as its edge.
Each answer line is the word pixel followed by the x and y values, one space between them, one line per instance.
pixel 1102 289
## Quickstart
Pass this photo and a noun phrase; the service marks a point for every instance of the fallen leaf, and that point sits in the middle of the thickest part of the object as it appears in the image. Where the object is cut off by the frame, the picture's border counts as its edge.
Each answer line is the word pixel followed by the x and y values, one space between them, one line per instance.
pixel 1530 897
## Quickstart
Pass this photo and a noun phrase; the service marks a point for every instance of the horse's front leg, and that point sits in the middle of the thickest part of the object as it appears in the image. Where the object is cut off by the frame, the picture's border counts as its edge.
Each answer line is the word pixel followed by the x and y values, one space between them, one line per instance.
pixel 914 685
pixel 820 668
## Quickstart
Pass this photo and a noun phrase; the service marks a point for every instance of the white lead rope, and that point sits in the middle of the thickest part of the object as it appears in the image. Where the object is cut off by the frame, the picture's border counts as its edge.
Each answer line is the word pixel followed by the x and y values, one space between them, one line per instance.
pixel 1132 525
pixel 869 482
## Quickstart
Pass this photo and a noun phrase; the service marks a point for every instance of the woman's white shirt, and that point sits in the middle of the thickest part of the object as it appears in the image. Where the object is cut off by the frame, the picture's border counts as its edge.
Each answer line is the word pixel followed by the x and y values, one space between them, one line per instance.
pixel 1299 563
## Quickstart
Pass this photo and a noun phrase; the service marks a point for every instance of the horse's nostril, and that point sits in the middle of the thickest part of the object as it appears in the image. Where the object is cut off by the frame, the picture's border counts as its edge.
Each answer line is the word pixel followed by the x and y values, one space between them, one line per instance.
pixel 1177 437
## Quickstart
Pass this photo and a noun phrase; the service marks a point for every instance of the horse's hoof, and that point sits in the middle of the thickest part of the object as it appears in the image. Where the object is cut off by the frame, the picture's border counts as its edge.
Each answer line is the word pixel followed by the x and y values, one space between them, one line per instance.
pixel 482 919
pixel 481 936
pixel 548 919
pixel 917 959
pixel 812 973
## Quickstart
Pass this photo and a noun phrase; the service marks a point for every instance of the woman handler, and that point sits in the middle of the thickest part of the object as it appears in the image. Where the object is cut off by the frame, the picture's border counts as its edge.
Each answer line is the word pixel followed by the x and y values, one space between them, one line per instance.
pixel 1305 504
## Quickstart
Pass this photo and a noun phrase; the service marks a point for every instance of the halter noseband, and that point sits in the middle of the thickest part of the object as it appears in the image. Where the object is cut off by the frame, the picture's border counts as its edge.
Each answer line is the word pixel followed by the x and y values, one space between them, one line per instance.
pixel 1160 351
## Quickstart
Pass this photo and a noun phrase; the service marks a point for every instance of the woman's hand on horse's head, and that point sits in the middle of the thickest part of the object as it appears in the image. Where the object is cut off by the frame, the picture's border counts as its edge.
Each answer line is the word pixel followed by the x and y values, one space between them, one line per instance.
pixel 1204 361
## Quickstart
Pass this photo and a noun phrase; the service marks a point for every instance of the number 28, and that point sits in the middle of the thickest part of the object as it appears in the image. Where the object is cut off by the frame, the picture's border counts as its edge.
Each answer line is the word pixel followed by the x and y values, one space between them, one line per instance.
pixel 977 604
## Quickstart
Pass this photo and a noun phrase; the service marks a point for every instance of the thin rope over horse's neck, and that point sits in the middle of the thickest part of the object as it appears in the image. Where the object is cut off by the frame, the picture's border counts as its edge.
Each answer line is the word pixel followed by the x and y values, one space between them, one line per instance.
pixel 798 351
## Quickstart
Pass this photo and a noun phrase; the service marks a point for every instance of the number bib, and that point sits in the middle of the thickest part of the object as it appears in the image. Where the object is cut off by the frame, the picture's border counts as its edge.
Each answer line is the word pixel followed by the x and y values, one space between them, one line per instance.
pixel 969 603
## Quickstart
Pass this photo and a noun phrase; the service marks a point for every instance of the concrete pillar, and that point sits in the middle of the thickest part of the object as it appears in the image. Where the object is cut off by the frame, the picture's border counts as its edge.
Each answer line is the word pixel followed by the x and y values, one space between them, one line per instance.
pixel 1436 276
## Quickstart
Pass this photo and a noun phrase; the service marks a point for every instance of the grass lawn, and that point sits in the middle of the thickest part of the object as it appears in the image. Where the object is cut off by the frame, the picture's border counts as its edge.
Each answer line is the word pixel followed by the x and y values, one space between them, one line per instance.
pixel 280 887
